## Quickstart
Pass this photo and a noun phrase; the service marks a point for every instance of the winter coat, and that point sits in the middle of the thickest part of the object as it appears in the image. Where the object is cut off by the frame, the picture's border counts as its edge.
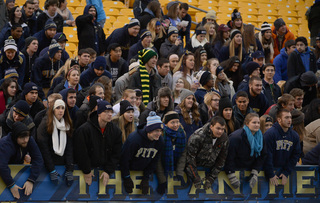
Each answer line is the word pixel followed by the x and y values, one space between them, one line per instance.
pixel 244 84
pixel 88 76
pixel 312 137
pixel 2 14
pixel 188 128
pixel 90 34
pixel 200 93
pixel 204 113
pixel 154 84
pixel 121 85
pixel 134 49
pixel 297 65
pixel 239 153
pixel 167 48
pixel 43 17
pixel 96 149
pixel 166 81
pixel 31 22
pixel 6 32
pixel 276 45
pixel 187 32
pixel 12 153
pixel 122 37
pixel 44 140
pixel 64 54
pixel 193 44
pixel 239 116
pixel 271 94
pixel 145 17
pixel 314 20
pixel 18 63
pixel 29 65
pixel 116 69
pixel 43 41
pixel 312 157
pixel 201 152
pixel 283 149
pixel 139 153
pixel 225 55
pixel 280 62
pixel 267 48
pixel 226 88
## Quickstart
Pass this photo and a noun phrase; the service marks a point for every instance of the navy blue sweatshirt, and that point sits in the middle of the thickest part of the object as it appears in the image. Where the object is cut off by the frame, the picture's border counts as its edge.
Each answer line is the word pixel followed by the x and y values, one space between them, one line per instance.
pixel 139 153
pixel 283 150
pixel 88 76
pixel 312 157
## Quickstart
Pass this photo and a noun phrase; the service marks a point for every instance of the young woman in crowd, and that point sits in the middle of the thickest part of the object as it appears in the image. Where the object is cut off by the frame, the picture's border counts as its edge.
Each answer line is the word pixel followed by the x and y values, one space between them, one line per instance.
pixel 236 21
pixel 246 150
pixel 158 32
pixel 15 16
pixel 198 39
pixel 186 70
pixel 173 14
pixel 211 32
pixel 209 107
pixel 188 111
pixel 125 119
pixel 211 66
pixel 174 154
pixel 223 84
pixel 172 45
pixel 226 112
pixel 181 83
pixel 233 70
pixel 107 83
pixel 55 141
pixel 250 43
pixel 266 122
pixel 266 40
pixel 72 79
pixel 223 35
pixel 8 92
pixel 200 56
pixel 66 13
pixel 234 47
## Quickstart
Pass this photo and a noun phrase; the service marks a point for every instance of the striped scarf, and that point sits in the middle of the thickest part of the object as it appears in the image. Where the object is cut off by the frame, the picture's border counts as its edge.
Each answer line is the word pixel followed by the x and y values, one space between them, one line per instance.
pixel 171 154
pixel 144 77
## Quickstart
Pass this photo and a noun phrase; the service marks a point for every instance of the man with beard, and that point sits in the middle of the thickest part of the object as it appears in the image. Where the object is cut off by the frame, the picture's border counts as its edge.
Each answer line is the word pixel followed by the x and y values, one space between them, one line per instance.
pixel 13 150
pixel 283 147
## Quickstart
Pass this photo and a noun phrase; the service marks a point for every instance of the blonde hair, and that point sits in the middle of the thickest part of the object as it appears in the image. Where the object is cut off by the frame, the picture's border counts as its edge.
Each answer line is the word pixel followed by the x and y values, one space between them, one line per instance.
pixel 209 37
pixel 63 70
pixel 263 122
pixel 152 28
pixel 208 97
pixel 232 49
pixel 125 129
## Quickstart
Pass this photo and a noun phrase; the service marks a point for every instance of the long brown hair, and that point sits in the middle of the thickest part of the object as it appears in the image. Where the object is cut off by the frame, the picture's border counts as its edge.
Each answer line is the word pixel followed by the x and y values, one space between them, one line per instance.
pixel 232 49
pixel 182 66
pixel 125 129
pixel 249 38
pixel 209 37
pixel 194 111
pixel 172 12
pixel 66 116
pixel 107 83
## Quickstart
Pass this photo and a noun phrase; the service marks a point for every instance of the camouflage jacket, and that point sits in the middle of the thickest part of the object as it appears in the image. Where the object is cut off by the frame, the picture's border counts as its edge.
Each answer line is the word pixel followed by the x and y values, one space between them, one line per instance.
pixel 201 152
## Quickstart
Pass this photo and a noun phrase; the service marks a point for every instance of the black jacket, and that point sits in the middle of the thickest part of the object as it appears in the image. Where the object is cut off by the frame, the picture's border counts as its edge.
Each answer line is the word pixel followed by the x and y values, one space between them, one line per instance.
pixel 42 19
pixel 94 149
pixel 295 65
pixel 51 159
pixel 272 95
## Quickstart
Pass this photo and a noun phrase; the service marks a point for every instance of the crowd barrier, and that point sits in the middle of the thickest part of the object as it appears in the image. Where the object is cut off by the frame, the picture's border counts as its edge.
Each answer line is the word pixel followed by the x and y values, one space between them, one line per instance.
pixel 303 184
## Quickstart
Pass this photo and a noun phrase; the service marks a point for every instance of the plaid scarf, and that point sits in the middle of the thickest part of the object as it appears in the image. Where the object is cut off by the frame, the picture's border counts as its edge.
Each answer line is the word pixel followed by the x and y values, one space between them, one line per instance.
pixel 144 77
pixel 171 155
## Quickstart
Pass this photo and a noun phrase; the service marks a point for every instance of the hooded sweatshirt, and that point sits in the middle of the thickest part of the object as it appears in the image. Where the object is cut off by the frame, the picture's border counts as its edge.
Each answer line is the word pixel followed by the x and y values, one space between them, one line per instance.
pixel 280 63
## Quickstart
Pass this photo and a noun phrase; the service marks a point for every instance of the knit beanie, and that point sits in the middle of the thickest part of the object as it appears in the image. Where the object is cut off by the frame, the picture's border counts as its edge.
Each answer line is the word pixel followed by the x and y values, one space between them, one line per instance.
pixel 28 87
pixel 153 122
pixel 218 70
pixel 223 28
pixel 133 22
pixel 172 30
pixel 234 32
pixel 93 101
pixel 18 129
pixel 146 55
pixel 264 27
pixel 200 31
pixel 297 117
pixel 308 78
pixel 54 48
pixel 211 15
pixel 10 43
pixel 22 108
pixel 57 103
pixel 144 33
pixel 29 40
pixel 224 103
pixel 170 116
pixel 235 15
pixel 138 92
pixel 125 106
pixel 103 106
pixel 74 62
pixel 11 73
pixel 251 66
pixel 204 77
pixel 278 23
pixel 184 94
pixel 49 24
pixel 100 63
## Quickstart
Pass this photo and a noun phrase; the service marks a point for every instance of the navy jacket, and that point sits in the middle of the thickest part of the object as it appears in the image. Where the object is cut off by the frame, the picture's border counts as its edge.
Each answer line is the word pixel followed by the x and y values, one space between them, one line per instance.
pixel 200 93
pixel 29 65
pixel 6 32
pixel 272 95
pixel 31 22
pixel 312 157
pixel 88 76
pixel 12 153
pixel 64 54
pixel 18 63
pixel 244 83
pixel 42 40
pixel 283 150
pixel 280 62
pixel 139 153
pixel 224 53
pixel 43 17
pixel 239 153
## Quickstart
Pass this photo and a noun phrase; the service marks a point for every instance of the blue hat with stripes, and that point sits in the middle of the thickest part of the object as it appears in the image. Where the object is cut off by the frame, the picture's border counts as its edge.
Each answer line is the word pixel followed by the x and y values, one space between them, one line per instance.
pixel 153 122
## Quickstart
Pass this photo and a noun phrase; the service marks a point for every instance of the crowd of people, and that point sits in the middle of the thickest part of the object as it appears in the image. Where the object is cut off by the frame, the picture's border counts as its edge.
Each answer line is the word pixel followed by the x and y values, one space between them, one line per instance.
pixel 151 97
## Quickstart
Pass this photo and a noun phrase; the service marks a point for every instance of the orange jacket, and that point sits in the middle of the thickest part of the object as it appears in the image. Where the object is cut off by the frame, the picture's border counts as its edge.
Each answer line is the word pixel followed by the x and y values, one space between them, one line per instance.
pixel 288 36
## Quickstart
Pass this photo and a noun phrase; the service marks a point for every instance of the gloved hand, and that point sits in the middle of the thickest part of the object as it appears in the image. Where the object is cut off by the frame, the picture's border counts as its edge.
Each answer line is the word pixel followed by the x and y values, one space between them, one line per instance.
pixel 197 182
pixel 208 182
pixel 54 177
pixel 144 186
pixel 69 178
pixel 162 188
pixel 253 178
pixel 128 184
pixel 234 180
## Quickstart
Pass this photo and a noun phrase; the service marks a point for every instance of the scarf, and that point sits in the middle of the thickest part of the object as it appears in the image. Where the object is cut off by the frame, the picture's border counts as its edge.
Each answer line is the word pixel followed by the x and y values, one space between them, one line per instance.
pixel 59 142
pixel 255 141
pixel 267 46
pixel 144 77
pixel 171 156
pixel 27 120
pixel 195 43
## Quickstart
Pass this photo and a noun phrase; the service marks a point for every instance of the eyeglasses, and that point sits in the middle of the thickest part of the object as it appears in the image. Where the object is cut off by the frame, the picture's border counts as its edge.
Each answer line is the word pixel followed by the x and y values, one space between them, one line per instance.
pixel 216 100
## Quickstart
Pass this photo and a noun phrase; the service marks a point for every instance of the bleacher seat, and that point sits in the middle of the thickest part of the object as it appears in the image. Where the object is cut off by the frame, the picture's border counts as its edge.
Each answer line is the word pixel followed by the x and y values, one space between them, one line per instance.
pixel 111 11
